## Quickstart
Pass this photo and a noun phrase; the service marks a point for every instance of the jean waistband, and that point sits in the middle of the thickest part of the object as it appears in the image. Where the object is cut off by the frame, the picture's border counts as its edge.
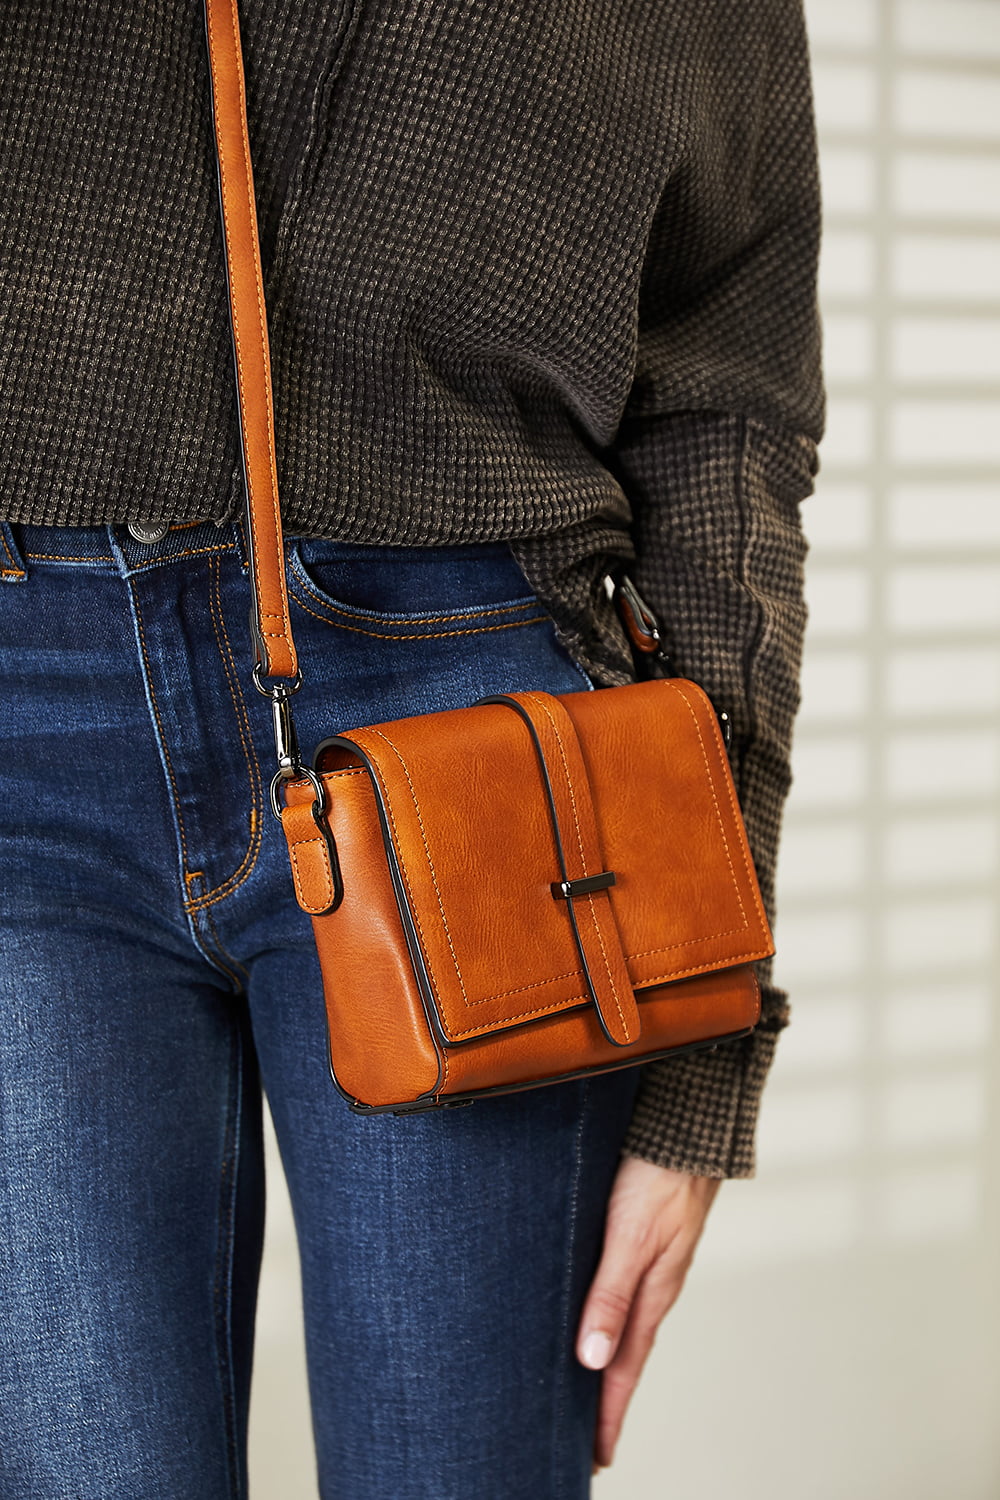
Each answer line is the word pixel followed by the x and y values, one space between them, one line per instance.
pixel 115 550
pixel 110 549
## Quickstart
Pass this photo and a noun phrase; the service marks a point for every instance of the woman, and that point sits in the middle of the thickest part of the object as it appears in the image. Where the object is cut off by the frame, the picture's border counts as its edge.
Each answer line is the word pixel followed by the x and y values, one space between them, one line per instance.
pixel 541 295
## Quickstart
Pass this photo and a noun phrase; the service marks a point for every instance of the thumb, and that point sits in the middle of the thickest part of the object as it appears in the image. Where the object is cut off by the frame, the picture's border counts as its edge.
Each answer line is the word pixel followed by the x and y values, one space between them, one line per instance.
pixel 608 1304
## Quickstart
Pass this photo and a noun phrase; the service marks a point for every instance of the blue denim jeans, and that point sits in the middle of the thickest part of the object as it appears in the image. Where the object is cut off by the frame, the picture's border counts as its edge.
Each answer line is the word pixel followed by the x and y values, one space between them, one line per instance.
pixel 156 972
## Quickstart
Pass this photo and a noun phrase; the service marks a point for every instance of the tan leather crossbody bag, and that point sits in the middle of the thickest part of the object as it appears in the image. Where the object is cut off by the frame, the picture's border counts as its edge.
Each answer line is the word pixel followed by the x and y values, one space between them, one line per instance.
pixel 529 889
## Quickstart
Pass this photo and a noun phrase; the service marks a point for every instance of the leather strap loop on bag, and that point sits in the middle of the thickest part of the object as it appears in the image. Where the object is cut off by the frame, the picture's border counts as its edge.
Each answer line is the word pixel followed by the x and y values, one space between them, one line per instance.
pixel 586 882
pixel 248 322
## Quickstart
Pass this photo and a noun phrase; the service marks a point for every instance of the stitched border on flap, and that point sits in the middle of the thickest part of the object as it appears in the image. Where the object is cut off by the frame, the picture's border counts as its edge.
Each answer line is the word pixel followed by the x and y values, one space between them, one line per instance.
pixel 562 989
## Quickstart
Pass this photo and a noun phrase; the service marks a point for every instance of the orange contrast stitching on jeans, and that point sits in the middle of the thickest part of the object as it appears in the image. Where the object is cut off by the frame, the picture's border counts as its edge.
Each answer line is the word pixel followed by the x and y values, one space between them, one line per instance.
pixel 249 860
pixel 13 571
pixel 220 948
pixel 168 557
pixel 420 635
pixel 159 725
pixel 62 557
pixel 461 614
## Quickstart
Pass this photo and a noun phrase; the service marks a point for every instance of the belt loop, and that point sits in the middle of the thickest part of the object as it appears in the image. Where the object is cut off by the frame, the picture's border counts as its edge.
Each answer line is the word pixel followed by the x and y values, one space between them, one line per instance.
pixel 12 568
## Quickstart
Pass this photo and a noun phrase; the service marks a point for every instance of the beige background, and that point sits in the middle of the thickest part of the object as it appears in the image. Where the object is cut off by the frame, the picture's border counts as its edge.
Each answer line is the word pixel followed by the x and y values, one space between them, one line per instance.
pixel 839 1335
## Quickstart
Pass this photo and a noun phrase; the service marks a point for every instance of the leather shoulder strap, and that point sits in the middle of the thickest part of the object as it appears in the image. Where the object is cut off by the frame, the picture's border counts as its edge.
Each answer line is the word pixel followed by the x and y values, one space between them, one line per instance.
pixel 248 322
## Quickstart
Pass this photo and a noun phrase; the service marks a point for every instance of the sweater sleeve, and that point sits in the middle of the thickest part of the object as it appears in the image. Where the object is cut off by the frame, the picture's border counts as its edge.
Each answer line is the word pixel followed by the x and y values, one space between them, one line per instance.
pixel 716 450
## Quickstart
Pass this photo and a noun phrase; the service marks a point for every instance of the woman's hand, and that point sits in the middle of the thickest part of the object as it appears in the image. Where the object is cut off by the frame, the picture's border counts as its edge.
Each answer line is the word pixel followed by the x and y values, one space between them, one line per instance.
pixel 654 1221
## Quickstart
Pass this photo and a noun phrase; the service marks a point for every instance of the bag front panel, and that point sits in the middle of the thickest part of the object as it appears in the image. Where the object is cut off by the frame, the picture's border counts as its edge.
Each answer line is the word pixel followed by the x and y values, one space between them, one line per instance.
pixel 471 830
pixel 687 1013
pixel 442 825
pixel 686 898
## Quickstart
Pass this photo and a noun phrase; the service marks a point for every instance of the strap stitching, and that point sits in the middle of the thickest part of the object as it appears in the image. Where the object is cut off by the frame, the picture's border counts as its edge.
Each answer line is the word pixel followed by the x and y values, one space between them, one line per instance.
pixel 328 883
pixel 442 1053
pixel 543 705
pixel 526 1015
pixel 430 862
pixel 718 812
pixel 261 317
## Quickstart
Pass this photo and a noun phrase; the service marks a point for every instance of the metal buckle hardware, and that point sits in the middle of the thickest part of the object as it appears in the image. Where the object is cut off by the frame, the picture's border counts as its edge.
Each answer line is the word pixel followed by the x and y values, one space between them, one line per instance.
pixel 286 741
pixel 566 890
pixel 643 631
pixel 641 627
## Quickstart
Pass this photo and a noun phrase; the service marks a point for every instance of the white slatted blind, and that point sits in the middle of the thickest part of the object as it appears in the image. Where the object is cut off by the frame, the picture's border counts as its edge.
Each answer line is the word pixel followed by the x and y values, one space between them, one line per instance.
pixel 875 1122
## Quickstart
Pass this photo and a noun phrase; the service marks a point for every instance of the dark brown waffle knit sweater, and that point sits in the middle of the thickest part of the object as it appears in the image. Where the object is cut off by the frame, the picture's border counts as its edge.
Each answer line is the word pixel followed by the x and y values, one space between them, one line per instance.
pixel 535 271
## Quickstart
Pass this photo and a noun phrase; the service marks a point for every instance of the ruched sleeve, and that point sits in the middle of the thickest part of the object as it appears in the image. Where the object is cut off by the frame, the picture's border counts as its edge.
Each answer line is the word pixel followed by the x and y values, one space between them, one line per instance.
pixel 716 450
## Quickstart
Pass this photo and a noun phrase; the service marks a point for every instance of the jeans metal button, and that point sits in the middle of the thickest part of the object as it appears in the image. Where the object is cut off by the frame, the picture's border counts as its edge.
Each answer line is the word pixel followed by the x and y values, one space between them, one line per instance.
pixel 148 531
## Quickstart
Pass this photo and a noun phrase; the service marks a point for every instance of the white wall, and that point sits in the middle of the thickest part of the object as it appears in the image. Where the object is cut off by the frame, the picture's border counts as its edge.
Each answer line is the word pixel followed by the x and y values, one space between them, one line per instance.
pixel 839 1335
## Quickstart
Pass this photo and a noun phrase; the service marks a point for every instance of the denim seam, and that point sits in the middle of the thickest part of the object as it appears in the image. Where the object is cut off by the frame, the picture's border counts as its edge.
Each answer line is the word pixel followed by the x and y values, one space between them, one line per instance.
pixel 169 557
pixel 223 1284
pixel 566 1346
pixel 249 860
pixel 15 570
pixel 420 635
pixel 161 734
pixel 212 947
pixel 240 968
pixel 90 557
pixel 191 906
pixel 518 606
pixel 188 876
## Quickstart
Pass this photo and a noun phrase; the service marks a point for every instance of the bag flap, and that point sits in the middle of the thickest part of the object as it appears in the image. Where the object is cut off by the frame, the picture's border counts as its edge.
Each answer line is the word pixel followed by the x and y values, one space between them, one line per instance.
pixel 468 825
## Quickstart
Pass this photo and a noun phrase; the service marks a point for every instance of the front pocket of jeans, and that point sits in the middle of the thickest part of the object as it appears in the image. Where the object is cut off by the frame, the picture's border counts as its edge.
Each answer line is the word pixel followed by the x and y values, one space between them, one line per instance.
pixel 462 591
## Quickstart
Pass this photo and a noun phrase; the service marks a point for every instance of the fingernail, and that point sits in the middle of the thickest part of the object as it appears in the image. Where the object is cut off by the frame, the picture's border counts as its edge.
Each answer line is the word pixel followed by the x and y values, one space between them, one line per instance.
pixel 596 1350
